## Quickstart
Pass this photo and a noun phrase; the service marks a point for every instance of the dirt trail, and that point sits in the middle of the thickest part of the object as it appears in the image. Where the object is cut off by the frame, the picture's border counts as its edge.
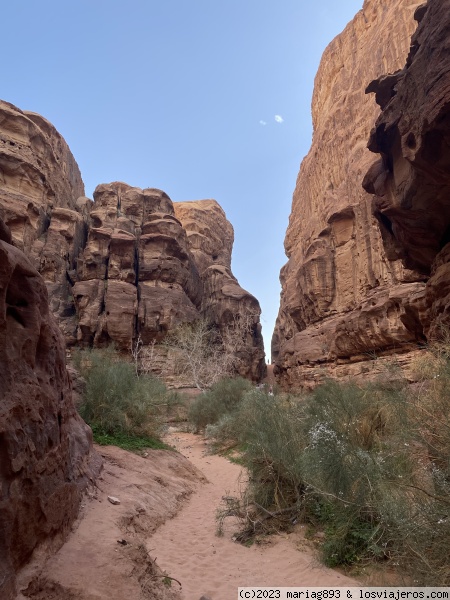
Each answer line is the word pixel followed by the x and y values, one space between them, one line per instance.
pixel 165 524
pixel 188 549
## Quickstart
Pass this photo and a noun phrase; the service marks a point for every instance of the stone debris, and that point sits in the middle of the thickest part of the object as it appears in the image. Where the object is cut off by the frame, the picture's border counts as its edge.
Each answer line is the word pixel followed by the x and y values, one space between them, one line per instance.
pixel 113 500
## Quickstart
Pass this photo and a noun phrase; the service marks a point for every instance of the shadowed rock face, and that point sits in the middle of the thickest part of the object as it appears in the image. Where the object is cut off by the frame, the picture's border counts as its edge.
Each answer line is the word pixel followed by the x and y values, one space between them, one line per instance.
pixel 345 295
pixel 150 265
pixel 135 273
pixel 125 265
pixel 46 457
pixel 411 181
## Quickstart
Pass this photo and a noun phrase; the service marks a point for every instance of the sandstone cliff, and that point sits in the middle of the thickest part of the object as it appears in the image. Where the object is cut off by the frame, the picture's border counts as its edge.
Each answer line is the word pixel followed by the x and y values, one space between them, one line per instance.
pixel 345 299
pixel 46 457
pixel 210 238
pixel 127 265
pixel 41 193
pixel 150 265
pixel 411 181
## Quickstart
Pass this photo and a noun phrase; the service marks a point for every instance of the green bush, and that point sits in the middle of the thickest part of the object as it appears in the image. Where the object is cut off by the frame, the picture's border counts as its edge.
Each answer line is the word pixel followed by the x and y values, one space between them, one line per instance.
pixel 117 402
pixel 221 399
pixel 368 464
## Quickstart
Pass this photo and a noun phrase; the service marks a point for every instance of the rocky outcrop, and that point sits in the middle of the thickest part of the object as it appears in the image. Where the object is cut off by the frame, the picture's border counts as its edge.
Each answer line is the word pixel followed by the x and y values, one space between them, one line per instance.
pixel 41 201
pixel 135 274
pixel 46 457
pixel 346 298
pixel 150 265
pixel 123 267
pixel 210 239
pixel 411 180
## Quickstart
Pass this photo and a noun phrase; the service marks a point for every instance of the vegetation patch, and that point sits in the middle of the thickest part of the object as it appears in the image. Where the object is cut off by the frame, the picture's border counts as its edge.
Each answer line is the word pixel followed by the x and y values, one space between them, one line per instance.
pixel 128 441
pixel 123 408
pixel 367 465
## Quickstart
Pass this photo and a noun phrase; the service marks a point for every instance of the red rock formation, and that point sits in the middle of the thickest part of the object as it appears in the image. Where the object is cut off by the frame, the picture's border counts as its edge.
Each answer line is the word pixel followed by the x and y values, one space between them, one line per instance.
pixel 120 267
pixel 150 265
pixel 345 299
pixel 411 181
pixel 136 273
pixel 41 202
pixel 46 457
pixel 210 239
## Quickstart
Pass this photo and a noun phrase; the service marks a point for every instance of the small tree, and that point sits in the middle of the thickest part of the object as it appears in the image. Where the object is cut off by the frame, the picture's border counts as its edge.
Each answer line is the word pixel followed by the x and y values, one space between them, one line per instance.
pixel 203 355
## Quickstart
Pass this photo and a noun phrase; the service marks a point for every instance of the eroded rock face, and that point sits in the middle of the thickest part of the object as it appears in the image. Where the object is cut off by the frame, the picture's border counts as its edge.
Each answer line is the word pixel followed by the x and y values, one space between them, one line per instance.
pixel 136 274
pixel 123 266
pixel 37 174
pixel 345 296
pixel 411 180
pixel 46 457
pixel 41 201
pixel 210 239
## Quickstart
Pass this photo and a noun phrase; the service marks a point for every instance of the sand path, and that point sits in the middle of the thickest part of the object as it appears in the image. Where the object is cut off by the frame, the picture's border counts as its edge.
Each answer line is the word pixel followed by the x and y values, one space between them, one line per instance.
pixel 188 549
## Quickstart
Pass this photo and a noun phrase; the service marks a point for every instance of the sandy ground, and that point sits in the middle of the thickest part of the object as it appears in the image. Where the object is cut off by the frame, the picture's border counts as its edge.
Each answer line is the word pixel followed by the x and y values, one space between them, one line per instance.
pixel 92 564
pixel 188 548
pixel 165 524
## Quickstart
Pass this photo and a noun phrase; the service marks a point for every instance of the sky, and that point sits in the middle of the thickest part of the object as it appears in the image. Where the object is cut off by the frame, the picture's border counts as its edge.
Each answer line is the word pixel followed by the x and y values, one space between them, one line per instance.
pixel 200 98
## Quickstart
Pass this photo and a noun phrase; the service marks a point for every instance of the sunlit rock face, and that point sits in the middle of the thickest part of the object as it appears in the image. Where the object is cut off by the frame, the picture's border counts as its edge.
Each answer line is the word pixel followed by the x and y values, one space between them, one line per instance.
pixel 411 180
pixel 128 265
pixel 46 455
pixel 346 294
pixel 41 201
pixel 210 238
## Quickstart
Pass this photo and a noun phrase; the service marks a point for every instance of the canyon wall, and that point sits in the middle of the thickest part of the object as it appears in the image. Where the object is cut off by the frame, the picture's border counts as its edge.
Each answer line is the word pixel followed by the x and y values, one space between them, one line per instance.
pixel 410 182
pixel 130 265
pixel 46 456
pixel 346 300
pixel 150 265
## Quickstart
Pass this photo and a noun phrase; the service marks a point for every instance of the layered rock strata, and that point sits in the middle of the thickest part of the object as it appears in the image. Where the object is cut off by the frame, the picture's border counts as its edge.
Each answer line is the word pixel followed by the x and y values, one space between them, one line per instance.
pixel 123 267
pixel 135 272
pixel 411 180
pixel 46 457
pixel 345 299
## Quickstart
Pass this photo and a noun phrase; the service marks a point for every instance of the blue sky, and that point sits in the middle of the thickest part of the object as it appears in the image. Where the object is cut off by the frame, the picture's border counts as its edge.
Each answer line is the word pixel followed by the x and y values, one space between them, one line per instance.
pixel 182 95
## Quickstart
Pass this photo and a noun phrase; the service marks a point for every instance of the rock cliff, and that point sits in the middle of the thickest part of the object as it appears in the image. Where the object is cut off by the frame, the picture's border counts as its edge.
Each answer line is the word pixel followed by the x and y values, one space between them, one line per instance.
pixel 346 298
pixel 46 457
pixel 128 265
pixel 41 193
pixel 411 180
pixel 210 239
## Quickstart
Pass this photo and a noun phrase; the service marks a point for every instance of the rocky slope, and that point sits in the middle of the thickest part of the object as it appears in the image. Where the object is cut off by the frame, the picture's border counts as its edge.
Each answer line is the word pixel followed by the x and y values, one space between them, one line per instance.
pixel 346 299
pixel 124 266
pixel 411 180
pixel 46 457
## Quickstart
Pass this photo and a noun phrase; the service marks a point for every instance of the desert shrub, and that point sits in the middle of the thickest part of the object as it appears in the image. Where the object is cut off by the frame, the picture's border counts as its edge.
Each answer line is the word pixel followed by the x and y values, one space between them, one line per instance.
pixel 425 530
pixel 221 399
pixel 369 464
pixel 116 402
pixel 348 461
